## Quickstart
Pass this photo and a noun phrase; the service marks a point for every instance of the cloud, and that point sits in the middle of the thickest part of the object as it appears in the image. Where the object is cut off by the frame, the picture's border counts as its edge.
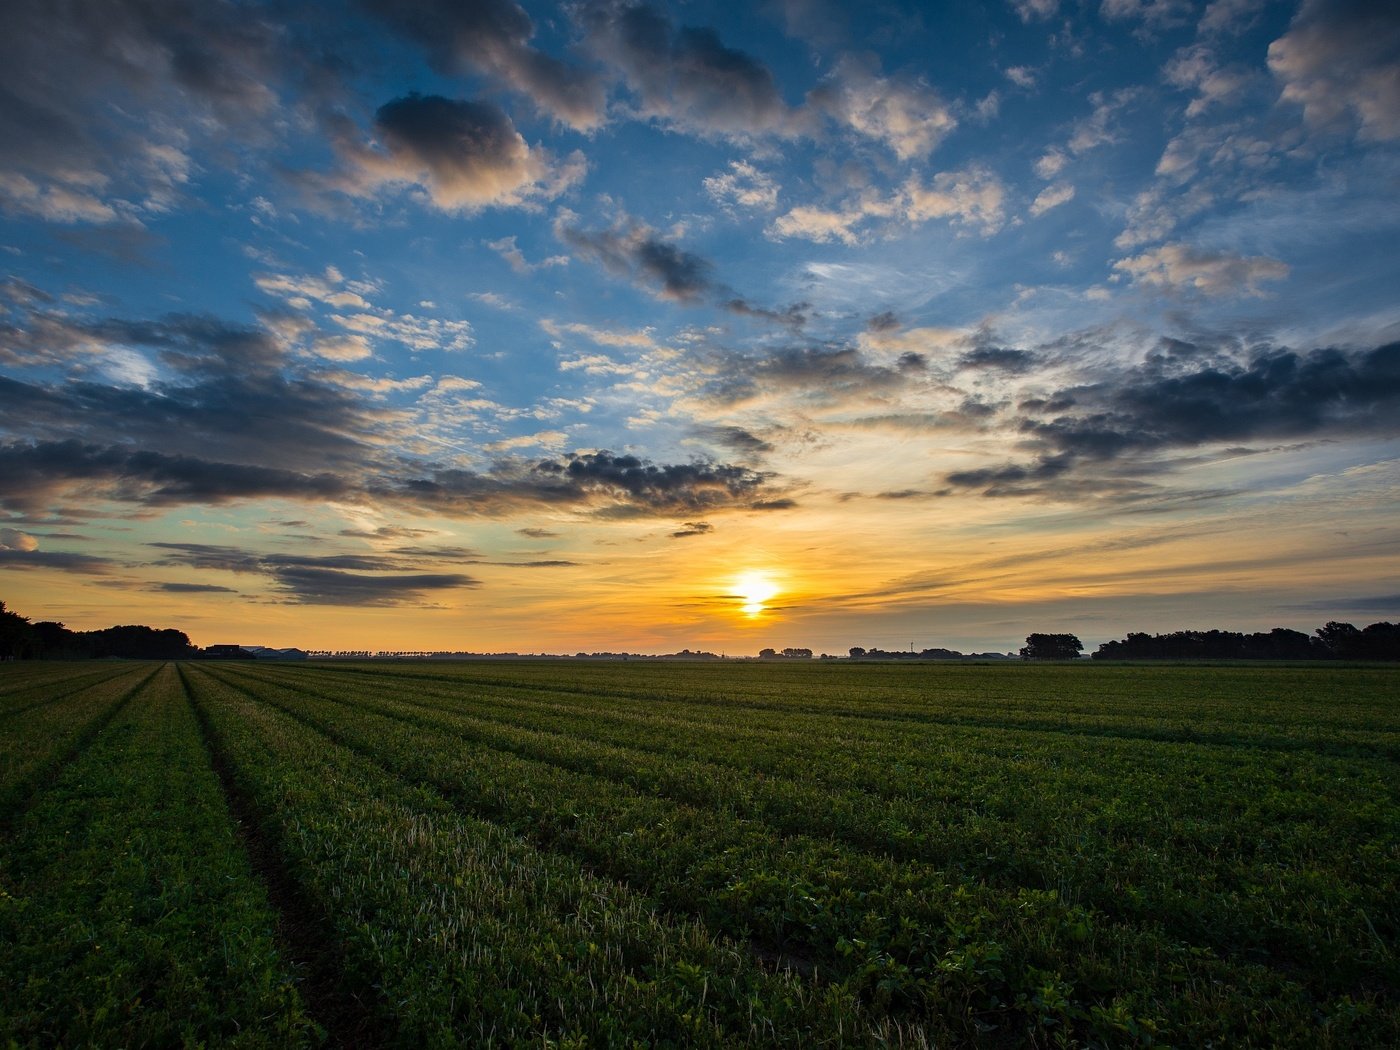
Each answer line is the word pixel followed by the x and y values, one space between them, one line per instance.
pixel 1035 10
pixel 303 425
pixel 62 561
pixel 363 320
pixel 1021 76
pixel 905 114
pixel 1154 13
pixel 310 586
pixel 736 439
pixel 190 588
pixel 1051 163
pixel 685 76
pixel 1180 268
pixel 338 579
pixel 1101 437
pixel 466 154
pixel 601 482
pixel 635 251
pixel 971 197
pixel 538 534
pixel 824 375
pixel 387 532
pixel 508 250
pixel 1099 128
pixel 101 99
pixel 998 358
pixel 1389 603
pixel 1052 197
pixel 33 474
pixel 692 528
pixel 493 37
pixel 1340 61
pixel 1229 16
pixel 1196 68
pixel 744 186
pixel 14 540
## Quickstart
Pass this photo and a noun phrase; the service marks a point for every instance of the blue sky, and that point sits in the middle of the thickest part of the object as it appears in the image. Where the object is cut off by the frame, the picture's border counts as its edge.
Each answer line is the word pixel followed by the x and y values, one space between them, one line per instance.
pixel 490 326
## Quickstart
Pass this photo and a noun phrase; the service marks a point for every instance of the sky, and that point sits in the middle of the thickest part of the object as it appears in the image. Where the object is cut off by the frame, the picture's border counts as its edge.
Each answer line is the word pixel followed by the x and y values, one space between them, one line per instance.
pixel 479 325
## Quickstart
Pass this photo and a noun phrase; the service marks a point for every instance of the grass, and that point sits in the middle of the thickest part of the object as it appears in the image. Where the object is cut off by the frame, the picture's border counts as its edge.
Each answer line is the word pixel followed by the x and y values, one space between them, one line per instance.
pixel 721 854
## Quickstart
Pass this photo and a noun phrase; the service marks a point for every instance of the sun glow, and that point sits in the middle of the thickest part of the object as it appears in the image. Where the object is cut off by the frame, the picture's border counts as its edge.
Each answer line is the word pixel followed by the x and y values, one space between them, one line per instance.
pixel 754 590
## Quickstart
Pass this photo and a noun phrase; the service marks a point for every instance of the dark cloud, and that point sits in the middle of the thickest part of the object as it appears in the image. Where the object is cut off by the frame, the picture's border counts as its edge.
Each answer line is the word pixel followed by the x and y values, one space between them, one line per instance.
pixel 63 561
pixel 468 152
pixel 998 358
pixel 190 588
pixel 1338 61
pixel 493 37
pixel 882 322
pixel 736 439
pixel 685 76
pixel 90 89
pixel 33 474
pixel 692 528
pixel 773 504
pixel 538 534
pixel 208 556
pixel 336 579
pixel 386 532
pixel 609 483
pixel 793 316
pixel 636 252
pixel 1368 603
pixel 248 425
pixel 1164 406
pixel 547 563
pixel 313 586
pixel 232 397
pixel 823 374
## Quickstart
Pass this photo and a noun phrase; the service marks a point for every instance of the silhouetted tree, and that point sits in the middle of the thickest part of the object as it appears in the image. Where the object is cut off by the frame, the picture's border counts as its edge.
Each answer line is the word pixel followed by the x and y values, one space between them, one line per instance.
pixel 16 635
pixel 1051 647
pixel 1341 640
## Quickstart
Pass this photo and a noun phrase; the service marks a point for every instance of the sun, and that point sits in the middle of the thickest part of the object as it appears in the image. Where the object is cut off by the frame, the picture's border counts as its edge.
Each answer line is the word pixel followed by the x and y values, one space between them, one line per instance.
pixel 754 590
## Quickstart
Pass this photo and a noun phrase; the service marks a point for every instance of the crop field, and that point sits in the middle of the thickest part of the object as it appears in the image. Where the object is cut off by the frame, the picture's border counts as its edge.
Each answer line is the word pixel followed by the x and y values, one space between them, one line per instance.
pixel 634 854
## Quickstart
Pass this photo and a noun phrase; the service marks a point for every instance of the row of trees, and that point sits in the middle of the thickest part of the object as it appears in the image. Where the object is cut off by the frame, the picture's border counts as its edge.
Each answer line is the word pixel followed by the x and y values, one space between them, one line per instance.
pixel 1334 641
pixel 49 640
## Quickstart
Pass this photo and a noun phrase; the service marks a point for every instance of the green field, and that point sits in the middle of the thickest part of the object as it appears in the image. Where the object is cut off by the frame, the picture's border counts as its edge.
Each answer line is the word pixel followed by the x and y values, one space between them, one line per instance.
pixel 610 854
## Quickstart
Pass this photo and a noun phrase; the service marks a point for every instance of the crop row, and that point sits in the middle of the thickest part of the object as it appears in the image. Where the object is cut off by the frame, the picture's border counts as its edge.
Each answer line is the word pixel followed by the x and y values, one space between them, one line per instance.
pixel 128 912
pixel 469 934
pixel 910 938
pixel 35 739
pixel 1342 710
pixel 1157 834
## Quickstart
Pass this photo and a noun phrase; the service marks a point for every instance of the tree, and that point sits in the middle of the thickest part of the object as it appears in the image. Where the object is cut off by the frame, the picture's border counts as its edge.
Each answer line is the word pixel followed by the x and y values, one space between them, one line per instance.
pixel 15 634
pixel 1342 640
pixel 857 651
pixel 1051 647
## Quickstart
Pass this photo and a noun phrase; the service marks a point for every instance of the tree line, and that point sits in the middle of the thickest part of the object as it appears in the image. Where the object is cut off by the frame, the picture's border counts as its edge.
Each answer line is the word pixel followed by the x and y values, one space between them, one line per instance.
pixel 1332 641
pixel 50 640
